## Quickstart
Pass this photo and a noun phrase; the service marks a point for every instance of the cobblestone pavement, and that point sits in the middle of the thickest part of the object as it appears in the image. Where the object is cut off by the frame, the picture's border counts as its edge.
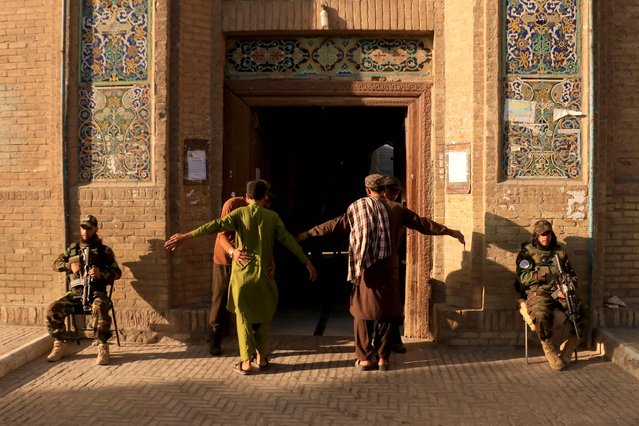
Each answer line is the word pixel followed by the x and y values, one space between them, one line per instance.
pixel 312 381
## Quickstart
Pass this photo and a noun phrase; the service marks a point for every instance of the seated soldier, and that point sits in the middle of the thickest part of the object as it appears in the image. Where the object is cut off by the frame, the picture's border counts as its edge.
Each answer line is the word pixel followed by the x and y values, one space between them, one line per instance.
pixel 537 282
pixel 84 262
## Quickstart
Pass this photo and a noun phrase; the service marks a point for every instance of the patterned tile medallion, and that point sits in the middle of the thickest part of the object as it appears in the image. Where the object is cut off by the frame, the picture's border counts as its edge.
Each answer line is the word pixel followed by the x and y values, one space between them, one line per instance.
pixel 327 58
pixel 541 134
pixel 114 46
pixel 115 127
pixel 541 37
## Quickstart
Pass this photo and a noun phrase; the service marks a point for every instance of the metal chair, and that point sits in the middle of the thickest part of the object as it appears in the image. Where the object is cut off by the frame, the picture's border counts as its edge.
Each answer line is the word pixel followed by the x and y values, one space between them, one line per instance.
pixel 528 323
pixel 78 309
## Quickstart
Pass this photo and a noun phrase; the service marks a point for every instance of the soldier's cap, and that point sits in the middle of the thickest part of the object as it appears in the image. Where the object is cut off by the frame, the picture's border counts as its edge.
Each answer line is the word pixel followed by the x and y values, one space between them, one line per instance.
pixel 542 226
pixel 391 182
pixel 89 220
pixel 374 181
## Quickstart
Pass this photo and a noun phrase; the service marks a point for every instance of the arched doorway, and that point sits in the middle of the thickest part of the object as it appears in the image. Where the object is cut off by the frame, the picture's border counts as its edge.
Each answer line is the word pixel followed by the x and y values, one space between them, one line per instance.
pixel 290 131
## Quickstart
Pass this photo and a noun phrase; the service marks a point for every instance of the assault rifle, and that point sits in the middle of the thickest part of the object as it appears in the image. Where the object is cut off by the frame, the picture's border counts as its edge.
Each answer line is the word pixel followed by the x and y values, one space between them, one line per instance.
pixel 567 287
pixel 88 281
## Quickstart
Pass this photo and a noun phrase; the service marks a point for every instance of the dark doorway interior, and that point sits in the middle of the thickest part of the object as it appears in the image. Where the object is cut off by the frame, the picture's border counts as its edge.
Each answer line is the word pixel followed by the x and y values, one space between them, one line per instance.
pixel 316 159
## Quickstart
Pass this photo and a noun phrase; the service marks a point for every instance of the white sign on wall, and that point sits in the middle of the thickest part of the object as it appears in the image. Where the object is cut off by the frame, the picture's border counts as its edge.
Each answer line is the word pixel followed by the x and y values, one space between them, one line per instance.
pixel 458 168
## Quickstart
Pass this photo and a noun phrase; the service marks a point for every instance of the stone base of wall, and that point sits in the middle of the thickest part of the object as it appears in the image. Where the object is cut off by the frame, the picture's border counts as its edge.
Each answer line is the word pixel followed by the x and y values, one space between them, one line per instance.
pixel 621 317
pixel 506 327
pixel 146 326
pixel 23 314
pixel 478 327
pixel 453 326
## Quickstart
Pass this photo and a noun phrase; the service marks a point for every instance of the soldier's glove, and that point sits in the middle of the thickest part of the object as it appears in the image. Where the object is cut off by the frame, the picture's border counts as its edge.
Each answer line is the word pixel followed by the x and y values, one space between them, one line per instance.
pixel 552 279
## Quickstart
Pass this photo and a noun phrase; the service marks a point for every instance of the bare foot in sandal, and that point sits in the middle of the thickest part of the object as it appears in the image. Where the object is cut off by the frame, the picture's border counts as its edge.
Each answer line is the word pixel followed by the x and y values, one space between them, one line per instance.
pixel 261 362
pixel 365 365
pixel 243 367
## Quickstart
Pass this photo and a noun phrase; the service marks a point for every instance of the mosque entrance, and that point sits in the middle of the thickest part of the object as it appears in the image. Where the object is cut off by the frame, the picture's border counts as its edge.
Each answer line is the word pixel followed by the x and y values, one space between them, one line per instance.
pixel 318 158
pixel 316 151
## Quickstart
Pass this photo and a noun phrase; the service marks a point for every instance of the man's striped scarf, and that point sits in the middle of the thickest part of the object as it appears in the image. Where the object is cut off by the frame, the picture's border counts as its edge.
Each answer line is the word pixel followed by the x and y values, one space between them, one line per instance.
pixel 370 235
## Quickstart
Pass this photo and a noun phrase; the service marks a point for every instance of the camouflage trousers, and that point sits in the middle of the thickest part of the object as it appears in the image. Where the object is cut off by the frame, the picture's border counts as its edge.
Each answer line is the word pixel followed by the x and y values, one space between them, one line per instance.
pixel 541 308
pixel 64 306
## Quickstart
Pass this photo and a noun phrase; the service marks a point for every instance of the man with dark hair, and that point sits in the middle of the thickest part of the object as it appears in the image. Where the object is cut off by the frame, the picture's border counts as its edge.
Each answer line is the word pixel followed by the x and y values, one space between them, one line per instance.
pixel 88 259
pixel 224 254
pixel 253 292
pixel 537 279
pixel 374 225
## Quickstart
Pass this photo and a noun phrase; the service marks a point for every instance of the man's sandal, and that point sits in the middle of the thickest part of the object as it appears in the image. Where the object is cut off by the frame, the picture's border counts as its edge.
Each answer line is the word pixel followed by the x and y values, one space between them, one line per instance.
pixel 238 369
pixel 369 367
pixel 264 366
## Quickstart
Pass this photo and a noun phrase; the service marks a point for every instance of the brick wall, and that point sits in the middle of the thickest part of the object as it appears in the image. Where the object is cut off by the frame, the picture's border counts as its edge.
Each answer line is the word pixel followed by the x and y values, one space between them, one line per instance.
pixel 31 194
pixel 466 107
pixel 39 215
pixel 132 215
pixel 497 215
pixel 619 157
pixel 191 118
pixel 304 15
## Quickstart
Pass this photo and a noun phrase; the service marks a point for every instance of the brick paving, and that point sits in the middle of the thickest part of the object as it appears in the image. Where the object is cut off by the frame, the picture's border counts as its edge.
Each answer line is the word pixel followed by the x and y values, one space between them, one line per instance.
pixel 312 381
pixel 14 336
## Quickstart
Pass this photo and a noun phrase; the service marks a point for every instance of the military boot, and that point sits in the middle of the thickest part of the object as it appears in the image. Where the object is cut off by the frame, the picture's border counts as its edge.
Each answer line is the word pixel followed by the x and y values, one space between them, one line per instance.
pixel 103 354
pixel 568 349
pixel 551 355
pixel 58 352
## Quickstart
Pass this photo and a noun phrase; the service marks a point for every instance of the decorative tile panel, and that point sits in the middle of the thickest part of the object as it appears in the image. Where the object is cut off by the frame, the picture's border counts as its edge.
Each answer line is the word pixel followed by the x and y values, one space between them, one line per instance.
pixel 541 37
pixel 114 46
pixel 114 105
pixel 115 127
pixel 541 131
pixel 542 90
pixel 327 58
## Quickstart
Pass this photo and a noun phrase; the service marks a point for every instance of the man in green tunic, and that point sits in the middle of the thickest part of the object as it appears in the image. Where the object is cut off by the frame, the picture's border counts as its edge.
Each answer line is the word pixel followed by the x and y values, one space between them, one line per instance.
pixel 252 291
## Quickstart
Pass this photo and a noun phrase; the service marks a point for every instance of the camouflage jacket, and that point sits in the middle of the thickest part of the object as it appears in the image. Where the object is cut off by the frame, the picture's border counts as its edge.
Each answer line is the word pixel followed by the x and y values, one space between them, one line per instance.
pixel 100 255
pixel 536 267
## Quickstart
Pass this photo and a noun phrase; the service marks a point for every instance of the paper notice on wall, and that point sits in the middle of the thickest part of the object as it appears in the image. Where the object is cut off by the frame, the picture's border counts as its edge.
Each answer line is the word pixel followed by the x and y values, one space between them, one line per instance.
pixel 519 111
pixel 536 128
pixel 196 165
pixel 457 167
pixel 558 113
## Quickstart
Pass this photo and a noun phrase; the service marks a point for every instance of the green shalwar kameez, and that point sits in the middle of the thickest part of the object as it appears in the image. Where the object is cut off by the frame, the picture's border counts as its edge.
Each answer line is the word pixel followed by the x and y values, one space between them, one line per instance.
pixel 252 293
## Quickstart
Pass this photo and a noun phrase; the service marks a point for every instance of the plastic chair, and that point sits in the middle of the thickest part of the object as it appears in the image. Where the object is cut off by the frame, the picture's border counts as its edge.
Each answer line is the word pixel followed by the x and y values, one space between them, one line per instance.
pixel 78 309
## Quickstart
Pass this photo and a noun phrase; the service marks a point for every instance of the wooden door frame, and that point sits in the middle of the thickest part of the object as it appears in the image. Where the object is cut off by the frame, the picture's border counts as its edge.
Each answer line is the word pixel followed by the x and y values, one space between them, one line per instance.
pixel 416 97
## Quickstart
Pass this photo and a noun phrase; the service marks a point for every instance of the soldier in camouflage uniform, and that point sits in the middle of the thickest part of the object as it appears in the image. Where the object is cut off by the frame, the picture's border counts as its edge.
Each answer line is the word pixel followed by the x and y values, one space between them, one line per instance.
pixel 103 269
pixel 537 274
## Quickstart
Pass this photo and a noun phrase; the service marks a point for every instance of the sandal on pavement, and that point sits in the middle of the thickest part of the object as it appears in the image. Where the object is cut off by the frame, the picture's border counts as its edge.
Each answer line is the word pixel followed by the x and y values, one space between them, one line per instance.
pixel 264 366
pixel 383 367
pixel 368 367
pixel 238 369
